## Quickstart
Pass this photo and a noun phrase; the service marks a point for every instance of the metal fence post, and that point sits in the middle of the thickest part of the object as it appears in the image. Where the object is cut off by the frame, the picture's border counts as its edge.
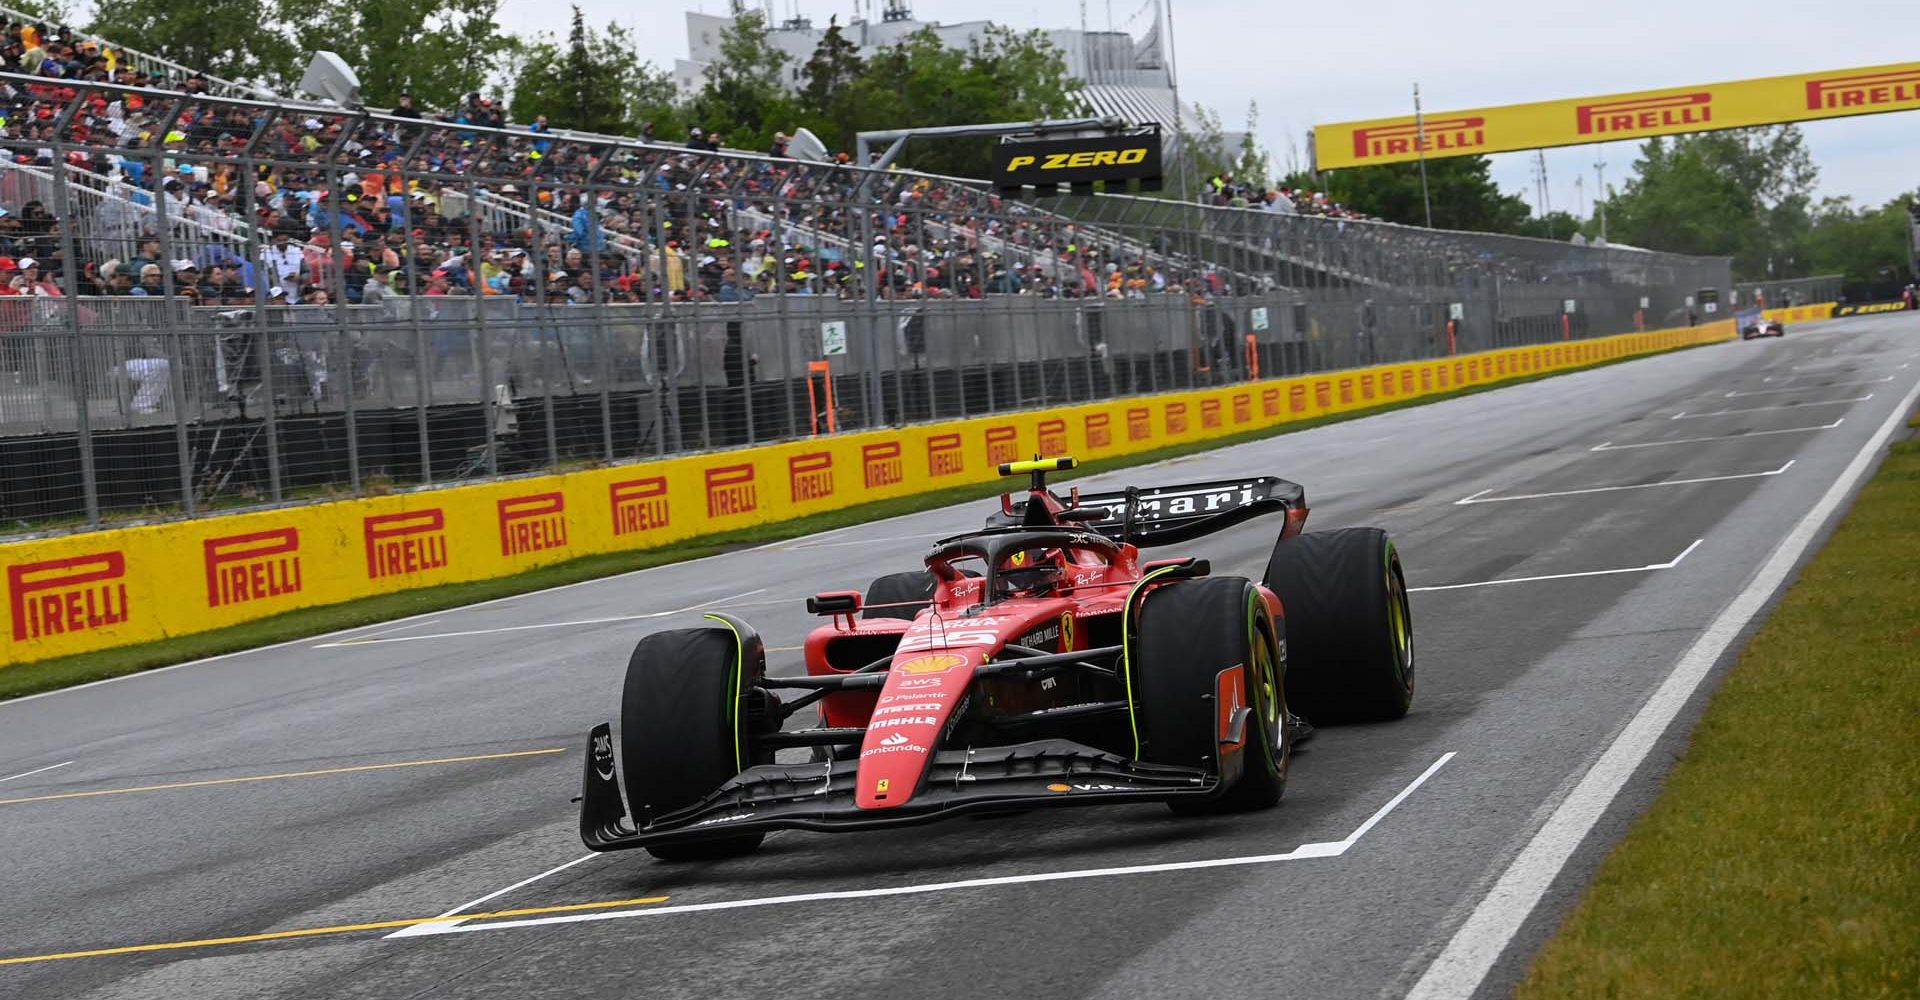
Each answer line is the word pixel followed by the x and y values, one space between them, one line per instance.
pixel 176 357
pixel 76 353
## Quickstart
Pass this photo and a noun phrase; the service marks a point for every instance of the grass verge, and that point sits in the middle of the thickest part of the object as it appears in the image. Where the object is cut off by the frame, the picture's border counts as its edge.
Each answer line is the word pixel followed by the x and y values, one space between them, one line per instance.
pixel 66 671
pixel 1782 857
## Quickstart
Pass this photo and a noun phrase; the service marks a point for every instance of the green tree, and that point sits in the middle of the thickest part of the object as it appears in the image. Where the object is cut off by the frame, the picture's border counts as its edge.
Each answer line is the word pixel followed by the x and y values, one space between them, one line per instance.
pixel 436 52
pixel 1200 151
pixel 828 82
pixel 1253 165
pixel 248 41
pixel 1870 246
pixel 745 96
pixel 1462 190
pixel 590 83
pixel 1742 193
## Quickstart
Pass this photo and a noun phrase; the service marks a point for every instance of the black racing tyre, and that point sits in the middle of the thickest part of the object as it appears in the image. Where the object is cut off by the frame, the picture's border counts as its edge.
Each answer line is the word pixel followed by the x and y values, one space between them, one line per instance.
pixel 898 588
pixel 1189 631
pixel 1348 624
pixel 683 728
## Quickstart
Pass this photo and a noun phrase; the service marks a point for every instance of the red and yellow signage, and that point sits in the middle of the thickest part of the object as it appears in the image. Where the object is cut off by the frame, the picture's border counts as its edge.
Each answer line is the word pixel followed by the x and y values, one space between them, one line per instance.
pixel 100 589
pixel 1638 115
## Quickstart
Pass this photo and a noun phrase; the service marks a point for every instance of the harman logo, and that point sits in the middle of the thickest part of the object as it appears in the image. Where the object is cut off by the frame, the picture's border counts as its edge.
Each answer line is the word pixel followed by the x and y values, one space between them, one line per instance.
pixel 638 505
pixel 404 543
pixel 1270 402
pixel 57 596
pixel 944 457
pixel 1003 445
pixel 1176 418
pixel 1466 132
pixel 1870 90
pixel 1053 437
pixel 1297 397
pixel 253 566
pixel 1139 423
pixel 730 490
pixel 1642 113
pixel 532 523
pixel 810 476
pixel 1209 413
pixel 1242 408
pixel 882 465
pixel 1099 430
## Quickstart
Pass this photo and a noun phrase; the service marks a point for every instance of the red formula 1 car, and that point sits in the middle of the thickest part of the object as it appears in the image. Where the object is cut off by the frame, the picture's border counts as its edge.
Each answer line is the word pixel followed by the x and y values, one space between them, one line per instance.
pixel 1036 662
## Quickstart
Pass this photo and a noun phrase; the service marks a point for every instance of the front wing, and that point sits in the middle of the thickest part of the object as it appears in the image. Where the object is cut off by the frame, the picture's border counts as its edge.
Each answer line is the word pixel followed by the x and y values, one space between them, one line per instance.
pixel 820 796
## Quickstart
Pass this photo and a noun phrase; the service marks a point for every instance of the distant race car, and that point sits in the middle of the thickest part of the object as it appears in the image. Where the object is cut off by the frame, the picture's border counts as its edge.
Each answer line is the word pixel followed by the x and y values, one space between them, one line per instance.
pixel 1036 662
pixel 1763 327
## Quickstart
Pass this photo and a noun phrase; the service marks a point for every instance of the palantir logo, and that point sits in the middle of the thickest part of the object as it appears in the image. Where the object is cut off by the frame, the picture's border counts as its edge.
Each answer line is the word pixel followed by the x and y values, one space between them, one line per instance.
pixel 252 567
pixel 59 596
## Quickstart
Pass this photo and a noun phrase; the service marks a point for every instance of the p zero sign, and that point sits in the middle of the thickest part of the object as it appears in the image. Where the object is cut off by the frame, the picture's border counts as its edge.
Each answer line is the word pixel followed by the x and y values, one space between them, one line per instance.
pixel 1632 116
pixel 1130 156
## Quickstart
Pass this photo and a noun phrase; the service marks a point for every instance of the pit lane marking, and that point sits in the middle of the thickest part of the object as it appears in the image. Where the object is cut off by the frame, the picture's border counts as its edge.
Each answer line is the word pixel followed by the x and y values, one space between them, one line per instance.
pixel 1654 567
pixel 376 925
pixel 1481 497
pixel 1610 446
pixel 414 930
pixel 1685 415
pixel 540 625
pixel 37 770
pixel 174 786
pixel 1737 393
pixel 1331 849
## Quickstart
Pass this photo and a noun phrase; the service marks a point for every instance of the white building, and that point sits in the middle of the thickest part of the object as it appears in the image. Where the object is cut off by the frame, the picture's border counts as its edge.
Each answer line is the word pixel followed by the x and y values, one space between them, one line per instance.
pixel 1125 77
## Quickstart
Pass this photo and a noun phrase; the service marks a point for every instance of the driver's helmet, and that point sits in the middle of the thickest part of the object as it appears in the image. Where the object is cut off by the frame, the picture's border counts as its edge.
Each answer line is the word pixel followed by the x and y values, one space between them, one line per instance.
pixel 1031 573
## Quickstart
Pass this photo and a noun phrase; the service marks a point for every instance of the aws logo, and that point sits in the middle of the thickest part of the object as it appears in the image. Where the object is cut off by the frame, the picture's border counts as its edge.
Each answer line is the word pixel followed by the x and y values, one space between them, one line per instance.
pixel 1126 157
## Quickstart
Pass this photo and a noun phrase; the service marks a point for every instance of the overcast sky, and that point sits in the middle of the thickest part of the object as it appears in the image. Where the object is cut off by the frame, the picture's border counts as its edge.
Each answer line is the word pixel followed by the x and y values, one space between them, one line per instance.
pixel 1308 63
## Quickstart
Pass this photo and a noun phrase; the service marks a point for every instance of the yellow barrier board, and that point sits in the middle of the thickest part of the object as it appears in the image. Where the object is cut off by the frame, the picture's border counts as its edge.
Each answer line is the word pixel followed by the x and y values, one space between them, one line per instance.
pixel 1802 314
pixel 101 589
pixel 1631 116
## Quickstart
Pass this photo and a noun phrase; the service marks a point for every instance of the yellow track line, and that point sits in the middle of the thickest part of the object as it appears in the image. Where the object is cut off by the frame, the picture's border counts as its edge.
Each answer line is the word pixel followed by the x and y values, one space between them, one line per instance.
pixel 277 777
pixel 378 925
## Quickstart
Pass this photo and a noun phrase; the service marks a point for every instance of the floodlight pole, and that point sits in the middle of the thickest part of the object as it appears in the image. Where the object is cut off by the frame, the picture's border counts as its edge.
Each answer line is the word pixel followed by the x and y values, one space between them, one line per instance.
pixel 1420 144
pixel 863 153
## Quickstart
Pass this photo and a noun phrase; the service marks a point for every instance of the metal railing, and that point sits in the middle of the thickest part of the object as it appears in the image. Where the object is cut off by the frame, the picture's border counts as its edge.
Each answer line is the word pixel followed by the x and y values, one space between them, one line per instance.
pixel 739 289
pixel 1790 291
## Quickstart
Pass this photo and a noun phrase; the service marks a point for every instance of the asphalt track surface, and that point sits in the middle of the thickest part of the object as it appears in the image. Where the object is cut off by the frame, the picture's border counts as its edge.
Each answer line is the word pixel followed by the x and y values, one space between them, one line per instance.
pixel 1619 556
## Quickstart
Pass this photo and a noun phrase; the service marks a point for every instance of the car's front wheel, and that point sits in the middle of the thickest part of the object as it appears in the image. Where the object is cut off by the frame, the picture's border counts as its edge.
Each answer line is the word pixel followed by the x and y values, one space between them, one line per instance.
pixel 1349 625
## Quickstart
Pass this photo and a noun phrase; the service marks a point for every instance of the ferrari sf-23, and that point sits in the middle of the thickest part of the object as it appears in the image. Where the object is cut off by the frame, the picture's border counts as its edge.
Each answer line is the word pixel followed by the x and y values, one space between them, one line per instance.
pixel 1039 661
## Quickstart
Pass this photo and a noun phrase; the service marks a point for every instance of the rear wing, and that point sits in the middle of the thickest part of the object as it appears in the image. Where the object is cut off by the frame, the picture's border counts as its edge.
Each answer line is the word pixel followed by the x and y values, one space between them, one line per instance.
pixel 1164 515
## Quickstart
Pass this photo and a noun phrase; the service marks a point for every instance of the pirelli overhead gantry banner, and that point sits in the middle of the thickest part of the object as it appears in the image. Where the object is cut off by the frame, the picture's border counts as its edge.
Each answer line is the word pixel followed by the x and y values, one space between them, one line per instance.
pixel 1634 116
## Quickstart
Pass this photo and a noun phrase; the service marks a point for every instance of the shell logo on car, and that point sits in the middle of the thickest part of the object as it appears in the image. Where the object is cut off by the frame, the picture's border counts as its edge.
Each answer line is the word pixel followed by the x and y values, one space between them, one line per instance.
pixel 934 663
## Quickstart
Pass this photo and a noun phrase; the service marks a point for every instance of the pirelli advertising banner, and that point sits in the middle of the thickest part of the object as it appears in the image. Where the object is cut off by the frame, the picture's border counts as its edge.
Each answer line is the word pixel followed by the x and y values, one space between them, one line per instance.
pixel 1047 162
pixel 96 590
pixel 1634 116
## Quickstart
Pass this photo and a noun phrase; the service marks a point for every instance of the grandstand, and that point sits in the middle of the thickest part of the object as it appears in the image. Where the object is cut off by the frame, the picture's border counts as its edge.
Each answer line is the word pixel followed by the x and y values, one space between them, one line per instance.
pixel 242 300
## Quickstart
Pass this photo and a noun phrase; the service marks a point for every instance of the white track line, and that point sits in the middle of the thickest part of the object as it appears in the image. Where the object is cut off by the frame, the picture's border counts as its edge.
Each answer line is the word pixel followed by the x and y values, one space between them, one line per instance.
pixel 418 929
pixel 1332 849
pixel 1481 497
pixel 1669 564
pixel 1464 963
pixel 36 770
pixel 537 625
pixel 1684 415
pixel 1610 446
pixel 1736 394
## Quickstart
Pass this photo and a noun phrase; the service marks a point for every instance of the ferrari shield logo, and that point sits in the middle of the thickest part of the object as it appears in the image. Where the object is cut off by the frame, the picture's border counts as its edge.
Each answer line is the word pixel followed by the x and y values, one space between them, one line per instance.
pixel 1066 631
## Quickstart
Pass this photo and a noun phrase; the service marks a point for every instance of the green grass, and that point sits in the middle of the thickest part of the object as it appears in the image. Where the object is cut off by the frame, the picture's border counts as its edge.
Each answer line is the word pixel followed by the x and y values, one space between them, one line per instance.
pixel 46 675
pixel 1782 857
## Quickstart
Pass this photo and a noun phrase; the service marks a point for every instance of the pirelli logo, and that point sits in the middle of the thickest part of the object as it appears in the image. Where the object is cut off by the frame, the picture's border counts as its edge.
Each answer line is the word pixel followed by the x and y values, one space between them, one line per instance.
pixel 1864 92
pixel 402 544
pixel 536 522
pixel 1406 381
pixel 810 476
pixel 1209 413
pixel 1099 428
pixel 1003 445
pixel 1297 398
pixel 60 596
pixel 1366 386
pixel 1270 402
pixel 731 490
pixel 638 505
pixel 1242 407
pixel 882 464
pixel 1346 391
pixel 1642 114
pixel 1176 419
pixel 944 457
pixel 1437 135
pixel 1134 155
pixel 1139 423
pixel 252 567
pixel 1323 393
pixel 1052 437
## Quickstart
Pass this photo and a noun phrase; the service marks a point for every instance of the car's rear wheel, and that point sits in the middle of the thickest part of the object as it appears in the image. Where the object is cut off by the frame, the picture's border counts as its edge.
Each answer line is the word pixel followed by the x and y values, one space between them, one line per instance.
pixel 684 728
pixel 1189 632
pixel 1349 627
